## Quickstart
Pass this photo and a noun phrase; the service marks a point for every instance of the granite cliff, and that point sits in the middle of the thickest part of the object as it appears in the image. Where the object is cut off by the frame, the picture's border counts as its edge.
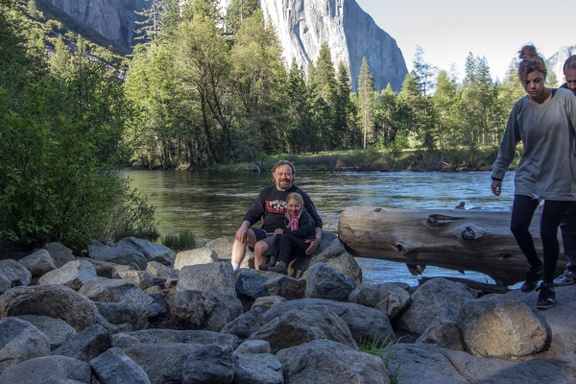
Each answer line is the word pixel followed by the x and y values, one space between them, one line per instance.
pixel 302 26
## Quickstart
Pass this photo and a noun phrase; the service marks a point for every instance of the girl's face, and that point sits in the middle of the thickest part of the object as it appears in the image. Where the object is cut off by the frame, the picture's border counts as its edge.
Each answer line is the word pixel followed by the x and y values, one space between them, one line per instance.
pixel 534 83
pixel 293 207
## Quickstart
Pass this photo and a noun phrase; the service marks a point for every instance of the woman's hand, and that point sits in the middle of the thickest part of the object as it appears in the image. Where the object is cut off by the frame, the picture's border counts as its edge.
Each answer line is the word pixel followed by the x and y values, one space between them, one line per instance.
pixel 496 187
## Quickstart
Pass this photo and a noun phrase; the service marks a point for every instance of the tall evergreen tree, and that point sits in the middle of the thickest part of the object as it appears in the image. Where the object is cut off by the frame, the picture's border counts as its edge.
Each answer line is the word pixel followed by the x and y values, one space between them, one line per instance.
pixel 366 101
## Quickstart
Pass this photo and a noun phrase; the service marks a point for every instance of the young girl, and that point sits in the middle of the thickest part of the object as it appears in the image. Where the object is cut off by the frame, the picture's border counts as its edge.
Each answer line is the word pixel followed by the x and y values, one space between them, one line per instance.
pixel 291 242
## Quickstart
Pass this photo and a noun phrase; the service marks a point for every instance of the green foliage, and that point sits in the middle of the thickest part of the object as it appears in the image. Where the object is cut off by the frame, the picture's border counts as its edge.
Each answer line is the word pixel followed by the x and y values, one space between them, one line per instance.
pixel 386 350
pixel 59 145
pixel 180 242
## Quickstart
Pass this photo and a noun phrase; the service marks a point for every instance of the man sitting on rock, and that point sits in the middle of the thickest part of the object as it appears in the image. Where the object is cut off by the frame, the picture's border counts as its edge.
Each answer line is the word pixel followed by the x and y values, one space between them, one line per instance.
pixel 270 206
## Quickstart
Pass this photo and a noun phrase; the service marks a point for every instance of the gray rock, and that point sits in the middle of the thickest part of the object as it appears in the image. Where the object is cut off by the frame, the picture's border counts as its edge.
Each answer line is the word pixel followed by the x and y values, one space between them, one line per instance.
pixel 559 319
pixel 164 362
pixel 195 256
pixel 73 274
pixel 20 341
pixel 208 364
pixel 158 270
pixel 121 302
pixel 501 328
pixel 326 282
pixel 38 263
pixel 425 363
pixel 133 252
pixel 245 324
pixel 167 336
pixel 365 324
pixel 300 326
pixel 12 273
pixel 267 302
pixel 331 363
pixel 115 367
pixel 55 301
pixel 216 277
pixel 389 298
pixel 436 300
pixel 331 251
pixel 254 347
pixel 59 253
pixel 445 334
pixel 87 344
pixel 48 370
pixel 57 330
pixel 141 279
pixel 204 309
pixel 257 368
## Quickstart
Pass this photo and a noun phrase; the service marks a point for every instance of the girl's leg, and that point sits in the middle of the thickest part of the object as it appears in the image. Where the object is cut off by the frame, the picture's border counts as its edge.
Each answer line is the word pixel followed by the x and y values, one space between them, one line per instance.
pixel 552 215
pixel 522 213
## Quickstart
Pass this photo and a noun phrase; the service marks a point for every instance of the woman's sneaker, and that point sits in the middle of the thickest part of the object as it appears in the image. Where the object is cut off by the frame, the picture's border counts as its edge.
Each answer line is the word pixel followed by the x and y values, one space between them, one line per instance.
pixel 532 277
pixel 567 278
pixel 547 295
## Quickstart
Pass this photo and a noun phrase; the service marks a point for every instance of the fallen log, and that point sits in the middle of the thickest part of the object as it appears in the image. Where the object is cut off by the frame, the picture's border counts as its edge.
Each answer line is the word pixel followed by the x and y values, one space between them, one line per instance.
pixel 457 239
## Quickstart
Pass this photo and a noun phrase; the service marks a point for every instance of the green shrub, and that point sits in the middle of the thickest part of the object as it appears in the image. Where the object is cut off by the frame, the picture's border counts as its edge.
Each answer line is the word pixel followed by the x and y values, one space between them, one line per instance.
pixel 180 242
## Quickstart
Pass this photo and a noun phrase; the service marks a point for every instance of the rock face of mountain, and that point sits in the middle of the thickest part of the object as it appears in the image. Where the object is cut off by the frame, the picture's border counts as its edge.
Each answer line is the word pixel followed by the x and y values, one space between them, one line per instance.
pixel 556 61
pixel 304 25
pixel 114 19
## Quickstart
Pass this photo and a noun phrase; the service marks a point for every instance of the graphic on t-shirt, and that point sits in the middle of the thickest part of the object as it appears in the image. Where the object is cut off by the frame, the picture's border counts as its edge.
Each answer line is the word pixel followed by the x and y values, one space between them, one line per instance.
pixel 276 206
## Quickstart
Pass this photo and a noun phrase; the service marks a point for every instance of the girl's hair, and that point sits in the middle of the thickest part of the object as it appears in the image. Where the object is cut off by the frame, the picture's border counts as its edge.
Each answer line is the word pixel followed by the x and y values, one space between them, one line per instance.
pixel 294 196
pixel 530 61
pixel 570 63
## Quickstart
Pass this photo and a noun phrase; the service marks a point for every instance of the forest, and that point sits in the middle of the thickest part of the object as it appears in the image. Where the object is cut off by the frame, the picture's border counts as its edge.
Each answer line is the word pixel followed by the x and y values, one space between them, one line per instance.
pixel 201 90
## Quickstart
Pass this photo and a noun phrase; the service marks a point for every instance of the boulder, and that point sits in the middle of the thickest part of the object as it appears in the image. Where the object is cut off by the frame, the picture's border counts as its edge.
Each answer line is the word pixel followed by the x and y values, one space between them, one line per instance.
pixel 12 273
pixel 55 301
pixel 72 274
pixel 60 253
pixel 299 326
pixel 501 328
pixel 204 309
pixel 332 362
pixel 215 277
pixel 86 345
pixel 195 256
pixel 389 298
pixel 48 370
pixel 326 282
pixel 57 330
pixel 434 301
pixel 38 263
pixel 114 366
pixel 20 341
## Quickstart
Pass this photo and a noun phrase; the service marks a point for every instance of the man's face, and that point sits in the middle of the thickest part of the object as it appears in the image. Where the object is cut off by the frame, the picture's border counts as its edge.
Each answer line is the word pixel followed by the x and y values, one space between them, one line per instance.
pixel 283 177
pixel 570 75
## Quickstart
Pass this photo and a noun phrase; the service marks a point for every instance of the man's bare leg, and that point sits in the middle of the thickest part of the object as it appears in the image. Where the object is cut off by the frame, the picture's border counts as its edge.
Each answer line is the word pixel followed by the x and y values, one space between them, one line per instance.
pixel 239 249
pixel 260 251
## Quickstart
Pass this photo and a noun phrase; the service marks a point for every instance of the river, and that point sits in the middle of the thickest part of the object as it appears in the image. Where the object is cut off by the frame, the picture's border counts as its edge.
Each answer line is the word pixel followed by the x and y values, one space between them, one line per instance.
pixel 213 204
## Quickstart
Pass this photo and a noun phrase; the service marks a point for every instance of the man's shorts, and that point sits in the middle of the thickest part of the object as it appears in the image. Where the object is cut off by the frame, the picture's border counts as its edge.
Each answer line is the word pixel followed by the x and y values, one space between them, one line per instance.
pixel 261 234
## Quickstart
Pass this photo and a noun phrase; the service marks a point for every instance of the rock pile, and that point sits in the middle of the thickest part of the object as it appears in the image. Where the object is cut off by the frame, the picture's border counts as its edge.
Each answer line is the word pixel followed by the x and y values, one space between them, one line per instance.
pixel 126 315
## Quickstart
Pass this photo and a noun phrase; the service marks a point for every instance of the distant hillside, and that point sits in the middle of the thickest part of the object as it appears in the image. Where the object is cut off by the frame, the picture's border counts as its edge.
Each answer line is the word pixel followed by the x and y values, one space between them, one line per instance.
pixel 57 22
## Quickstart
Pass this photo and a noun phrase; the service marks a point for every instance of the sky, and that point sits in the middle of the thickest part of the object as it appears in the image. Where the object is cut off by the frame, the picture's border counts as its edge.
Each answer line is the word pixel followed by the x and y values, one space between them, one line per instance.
pixel 448 30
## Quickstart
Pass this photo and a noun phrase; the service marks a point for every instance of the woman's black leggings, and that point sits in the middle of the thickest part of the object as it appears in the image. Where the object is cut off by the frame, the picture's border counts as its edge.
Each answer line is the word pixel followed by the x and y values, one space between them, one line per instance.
pixel 552 214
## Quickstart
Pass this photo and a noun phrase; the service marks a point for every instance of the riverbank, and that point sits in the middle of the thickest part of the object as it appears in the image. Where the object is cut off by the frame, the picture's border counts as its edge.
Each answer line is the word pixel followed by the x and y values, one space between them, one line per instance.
pixel 383 160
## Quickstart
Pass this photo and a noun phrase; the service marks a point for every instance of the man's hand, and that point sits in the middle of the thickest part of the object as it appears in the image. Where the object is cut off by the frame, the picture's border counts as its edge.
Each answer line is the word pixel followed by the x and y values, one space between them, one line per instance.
pixel 278 231
pixel 314 243
pixel 241 235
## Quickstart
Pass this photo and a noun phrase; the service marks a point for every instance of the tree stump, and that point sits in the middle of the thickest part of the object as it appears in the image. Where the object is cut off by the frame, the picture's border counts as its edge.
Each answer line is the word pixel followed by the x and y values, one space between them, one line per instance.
pixel 457 239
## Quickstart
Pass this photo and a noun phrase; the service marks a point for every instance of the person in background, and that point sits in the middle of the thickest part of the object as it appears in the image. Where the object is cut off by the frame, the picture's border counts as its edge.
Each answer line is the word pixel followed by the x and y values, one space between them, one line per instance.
pixel 290 243
pixel 568 225
pixel 544 121
pixel 270 206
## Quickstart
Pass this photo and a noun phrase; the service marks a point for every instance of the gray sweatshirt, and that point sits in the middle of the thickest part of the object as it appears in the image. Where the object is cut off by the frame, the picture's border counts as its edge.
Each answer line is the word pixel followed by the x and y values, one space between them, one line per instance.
pixel 547 167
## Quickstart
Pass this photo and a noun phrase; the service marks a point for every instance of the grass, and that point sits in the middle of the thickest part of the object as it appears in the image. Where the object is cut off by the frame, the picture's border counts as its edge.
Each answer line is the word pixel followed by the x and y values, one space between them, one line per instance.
pixel 180 242
pixel 383 160
pixel 386 351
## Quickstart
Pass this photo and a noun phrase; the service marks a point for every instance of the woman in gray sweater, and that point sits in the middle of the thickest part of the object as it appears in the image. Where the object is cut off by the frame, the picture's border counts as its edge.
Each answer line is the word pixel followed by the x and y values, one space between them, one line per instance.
pixel 544 120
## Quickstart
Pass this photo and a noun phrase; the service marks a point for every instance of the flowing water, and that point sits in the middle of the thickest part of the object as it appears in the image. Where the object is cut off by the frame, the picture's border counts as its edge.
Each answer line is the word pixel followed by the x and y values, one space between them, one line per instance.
pixel 213 204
